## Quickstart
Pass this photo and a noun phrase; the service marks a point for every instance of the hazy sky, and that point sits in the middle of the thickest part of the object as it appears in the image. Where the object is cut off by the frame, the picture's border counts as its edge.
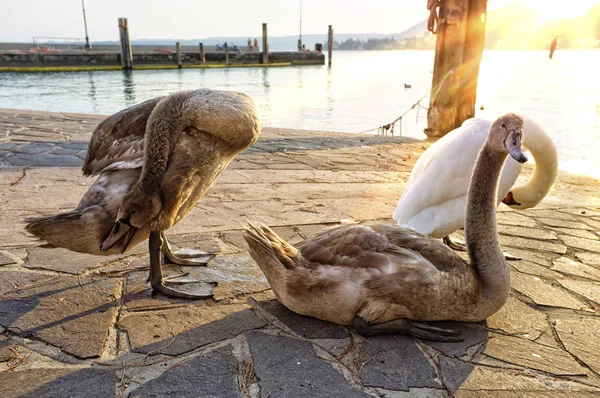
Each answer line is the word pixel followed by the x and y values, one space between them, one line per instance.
pixel 187 19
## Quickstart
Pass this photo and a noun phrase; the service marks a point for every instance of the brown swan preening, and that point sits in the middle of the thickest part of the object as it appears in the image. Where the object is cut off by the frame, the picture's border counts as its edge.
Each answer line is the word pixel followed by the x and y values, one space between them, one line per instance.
pixel 384 278
pixel 154 161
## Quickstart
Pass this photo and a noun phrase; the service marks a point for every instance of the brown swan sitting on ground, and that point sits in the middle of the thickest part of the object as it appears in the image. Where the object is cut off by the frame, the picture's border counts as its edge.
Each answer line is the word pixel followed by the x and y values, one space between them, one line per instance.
pixel 154 161
pixel 384 278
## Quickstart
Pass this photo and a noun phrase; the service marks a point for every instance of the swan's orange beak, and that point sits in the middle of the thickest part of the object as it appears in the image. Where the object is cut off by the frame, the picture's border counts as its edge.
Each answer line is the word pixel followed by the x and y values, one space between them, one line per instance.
pixel 510 200
pixel 121 232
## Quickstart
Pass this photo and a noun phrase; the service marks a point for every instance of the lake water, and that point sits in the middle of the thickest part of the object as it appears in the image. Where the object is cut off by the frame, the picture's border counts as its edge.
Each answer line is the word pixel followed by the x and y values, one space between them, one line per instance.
pixel 361 91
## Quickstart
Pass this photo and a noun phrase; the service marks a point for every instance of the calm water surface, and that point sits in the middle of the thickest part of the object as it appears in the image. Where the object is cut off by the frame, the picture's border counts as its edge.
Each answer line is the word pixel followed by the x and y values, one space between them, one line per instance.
pixel 362 91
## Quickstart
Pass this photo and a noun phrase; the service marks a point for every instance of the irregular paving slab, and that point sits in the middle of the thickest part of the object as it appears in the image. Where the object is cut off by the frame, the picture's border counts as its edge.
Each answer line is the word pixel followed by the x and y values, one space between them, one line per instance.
pixel 526 232
pixel 593 222
pixel 5 351
pixel 50 383
pixel 230 290
pixel 572 267
pixel 211 375
pixel 516 317
pixel 307 327
pixel 512 241
pixel 68 313
pixel 43 160
pixel 564 224
pixel 581 233
pixel 590 290
pixel 543 293
pixel 63 260
pixel 514 218
pixel 580 337
pixel 5 260
pixel 581 211
pixel 183 329
pixel 531 355
pixel 483 378
pixel 34 148
pixel 289 368
pixel 581 243
pixel 588 258
pixel 530 255
pixel 554 214
pixel 395 363
pixel 531 268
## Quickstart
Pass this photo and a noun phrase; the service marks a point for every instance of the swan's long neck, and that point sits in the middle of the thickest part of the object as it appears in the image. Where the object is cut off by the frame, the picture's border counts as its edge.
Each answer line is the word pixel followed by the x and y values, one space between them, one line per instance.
pixel 480 229
pixel 544 153
pixel 162 128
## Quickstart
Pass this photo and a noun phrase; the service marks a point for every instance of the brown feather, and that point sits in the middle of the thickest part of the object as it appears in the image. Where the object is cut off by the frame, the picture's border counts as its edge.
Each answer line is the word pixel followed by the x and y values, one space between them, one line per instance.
pixel 119 138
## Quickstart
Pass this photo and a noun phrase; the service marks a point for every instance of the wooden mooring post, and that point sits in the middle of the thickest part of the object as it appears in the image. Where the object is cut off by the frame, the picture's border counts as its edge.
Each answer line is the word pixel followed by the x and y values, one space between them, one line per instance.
pixel 126 54
pixel 226 54
pixel 202 55
pixel 178 50
pixel 265 45
pixel 458 49
pixel 329 44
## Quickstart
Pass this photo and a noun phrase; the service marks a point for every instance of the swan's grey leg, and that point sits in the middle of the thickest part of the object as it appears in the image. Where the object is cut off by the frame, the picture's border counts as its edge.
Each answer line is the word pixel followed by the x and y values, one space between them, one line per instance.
pixel 406 326
pixel 459 246
pixel 183 256
pixel 200 290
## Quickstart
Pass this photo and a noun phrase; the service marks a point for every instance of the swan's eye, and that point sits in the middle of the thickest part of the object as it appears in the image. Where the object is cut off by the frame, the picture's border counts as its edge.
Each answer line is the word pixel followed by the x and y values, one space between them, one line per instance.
pixel 503 126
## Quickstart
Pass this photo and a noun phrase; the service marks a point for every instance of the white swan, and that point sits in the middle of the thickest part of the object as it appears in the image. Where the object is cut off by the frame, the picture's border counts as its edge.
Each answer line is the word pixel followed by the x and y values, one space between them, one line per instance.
pixel 435 198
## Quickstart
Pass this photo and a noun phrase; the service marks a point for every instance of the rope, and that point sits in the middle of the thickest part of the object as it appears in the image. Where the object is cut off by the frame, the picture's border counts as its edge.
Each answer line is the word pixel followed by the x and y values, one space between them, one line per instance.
pixel 382 130
pixel 432 22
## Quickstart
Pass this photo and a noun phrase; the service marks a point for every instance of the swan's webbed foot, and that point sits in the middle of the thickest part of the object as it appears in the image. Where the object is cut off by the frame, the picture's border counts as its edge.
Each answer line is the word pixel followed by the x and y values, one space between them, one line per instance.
pixel 195 289
pixel 184 256
pixel 458 246
pixel 510 257
pixel 420 330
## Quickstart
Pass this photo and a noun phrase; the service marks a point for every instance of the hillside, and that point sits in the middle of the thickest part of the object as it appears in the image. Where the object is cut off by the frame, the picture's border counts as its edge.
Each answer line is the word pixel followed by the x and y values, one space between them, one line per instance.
pixel 512 27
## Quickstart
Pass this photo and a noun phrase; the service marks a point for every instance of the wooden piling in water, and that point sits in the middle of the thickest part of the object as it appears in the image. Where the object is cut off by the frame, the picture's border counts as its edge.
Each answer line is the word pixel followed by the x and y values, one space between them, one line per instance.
pixel 471 59
pixel 329 44
pixel 126 54
pixel 178 50
pixel 202 55
pixel 458 51
pixel 265 45
pixel 226 54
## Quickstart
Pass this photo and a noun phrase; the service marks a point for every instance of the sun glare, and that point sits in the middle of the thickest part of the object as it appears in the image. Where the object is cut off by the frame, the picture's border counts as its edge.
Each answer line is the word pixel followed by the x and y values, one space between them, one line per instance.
pixel 553 10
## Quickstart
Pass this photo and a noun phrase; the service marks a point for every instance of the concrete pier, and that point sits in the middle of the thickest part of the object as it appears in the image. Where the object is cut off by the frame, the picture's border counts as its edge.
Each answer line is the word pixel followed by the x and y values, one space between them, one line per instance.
pixel 16 61
pixel 78 325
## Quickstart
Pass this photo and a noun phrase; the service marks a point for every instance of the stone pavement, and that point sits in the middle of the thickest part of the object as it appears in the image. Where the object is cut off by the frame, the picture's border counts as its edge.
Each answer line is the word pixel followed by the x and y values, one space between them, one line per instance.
pixel 78 325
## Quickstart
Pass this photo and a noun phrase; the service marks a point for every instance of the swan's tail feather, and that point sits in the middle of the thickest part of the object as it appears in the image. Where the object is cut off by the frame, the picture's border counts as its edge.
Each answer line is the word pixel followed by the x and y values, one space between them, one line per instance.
pixel 75 230
pixel 264 243
pixel 45 226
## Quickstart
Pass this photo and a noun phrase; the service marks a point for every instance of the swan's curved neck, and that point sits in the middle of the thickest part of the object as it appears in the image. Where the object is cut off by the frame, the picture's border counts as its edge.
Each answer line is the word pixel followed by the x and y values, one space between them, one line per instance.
pixel 162 128
pixel 544 152
pixel 480 229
